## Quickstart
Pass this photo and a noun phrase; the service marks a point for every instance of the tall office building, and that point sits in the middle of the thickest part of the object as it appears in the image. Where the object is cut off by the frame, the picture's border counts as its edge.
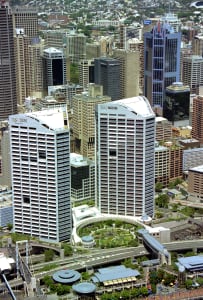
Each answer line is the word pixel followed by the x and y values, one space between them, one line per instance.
pixel 86 72
pixel 129 72
pixel 173 20
pixel 138 45
pixel 128 32
pixel 35 82
pixel 107 73
pixel 40 164
pixel 54 67
pixel 26 18
pixel 197 45
pixel 161 63
pixel 8 98
pixel 197 119
pixel 193 73
pixel 125 144
pixel 177 104
pixel 55 38
pixel 25 22
pixel 21 43
pixel 83 119
pixel 76 47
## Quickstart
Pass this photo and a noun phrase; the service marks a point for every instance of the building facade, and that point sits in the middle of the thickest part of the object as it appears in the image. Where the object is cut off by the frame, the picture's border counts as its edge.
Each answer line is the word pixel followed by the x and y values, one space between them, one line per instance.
pixel 82 178
pixel 8 97
pixel 197 119
pixel 26 19
pixel 193 73
pixel 86 72
pixel 162 165
pixel 54 67
pixel 161 63
pixel 40 164
pixel 163 130
pixel 176 106
pixel 192 158
pixel 107 74
pixel 75 47
pixel 83 119
pixel 195 184
pixel 129 72
pixel 125 143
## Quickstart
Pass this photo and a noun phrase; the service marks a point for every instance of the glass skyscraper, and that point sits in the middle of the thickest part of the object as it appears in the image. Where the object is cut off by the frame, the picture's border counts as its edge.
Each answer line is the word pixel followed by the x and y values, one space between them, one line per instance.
pixel 161 63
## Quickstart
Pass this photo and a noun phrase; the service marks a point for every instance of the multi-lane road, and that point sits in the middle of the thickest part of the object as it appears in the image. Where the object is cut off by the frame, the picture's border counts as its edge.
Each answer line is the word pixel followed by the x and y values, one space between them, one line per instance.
pixel 100 257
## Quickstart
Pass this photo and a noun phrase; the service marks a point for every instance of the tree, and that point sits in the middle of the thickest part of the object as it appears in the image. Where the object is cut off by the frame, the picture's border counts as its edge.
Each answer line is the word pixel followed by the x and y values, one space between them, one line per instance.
pixel 174 207
pixel 158 186
pixel 48 255
pixel 188 283
pixel 67 249
pixel 85 275
pixel 162 200
pixel 9 226
pixel 74 73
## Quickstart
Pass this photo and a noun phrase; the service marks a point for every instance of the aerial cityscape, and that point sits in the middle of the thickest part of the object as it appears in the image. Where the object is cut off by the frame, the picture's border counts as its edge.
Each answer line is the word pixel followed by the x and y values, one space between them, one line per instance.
pixel 101 150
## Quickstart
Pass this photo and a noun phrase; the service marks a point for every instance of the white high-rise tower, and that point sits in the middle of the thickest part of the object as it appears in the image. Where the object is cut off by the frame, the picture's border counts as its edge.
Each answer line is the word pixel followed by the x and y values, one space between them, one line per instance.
pixel 40 162
pixel 125 143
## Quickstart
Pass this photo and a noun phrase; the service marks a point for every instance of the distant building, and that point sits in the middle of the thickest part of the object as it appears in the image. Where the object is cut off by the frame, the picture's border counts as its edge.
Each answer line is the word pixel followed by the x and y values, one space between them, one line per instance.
pixel 50 103
pixel 93 50
pixel 8 96
pixel 195 184
pixel 125 142
pixel 40 164
pixel 127 33
pixel 138 45
pixel 163 130
pixel 75 47
pixel 192 158
pixel 86 72
pixel 105 23
pixel 107 74
pixel 176 162
pixel 193 73
pixel 129 72
pixel 197 119
pixel 189 143
pixel 5 177
pixel 197 45
pixel 161 63
pixel 54 67
pixel 21 43
pixel 6 207
pixel 27 19
pixel 173 20
pixel 83 119
pixel 66 91
pixel 35 84
pixel 82 178
pixel 176 104
pixel 55 38
pixel 162 164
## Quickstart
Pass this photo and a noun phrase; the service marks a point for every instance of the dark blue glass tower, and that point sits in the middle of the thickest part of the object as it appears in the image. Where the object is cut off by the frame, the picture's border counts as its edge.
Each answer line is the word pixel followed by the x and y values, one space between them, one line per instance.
pixel 161 63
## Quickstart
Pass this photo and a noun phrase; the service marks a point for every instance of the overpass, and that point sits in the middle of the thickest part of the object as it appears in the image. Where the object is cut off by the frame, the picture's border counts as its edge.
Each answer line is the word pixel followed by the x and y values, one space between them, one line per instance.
pixel 106 256
pixel 155 246
pixel 184 245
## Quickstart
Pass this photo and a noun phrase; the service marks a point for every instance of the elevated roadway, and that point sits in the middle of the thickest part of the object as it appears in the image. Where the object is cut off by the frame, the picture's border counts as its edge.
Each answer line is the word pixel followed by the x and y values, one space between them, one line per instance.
pixel 104 256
